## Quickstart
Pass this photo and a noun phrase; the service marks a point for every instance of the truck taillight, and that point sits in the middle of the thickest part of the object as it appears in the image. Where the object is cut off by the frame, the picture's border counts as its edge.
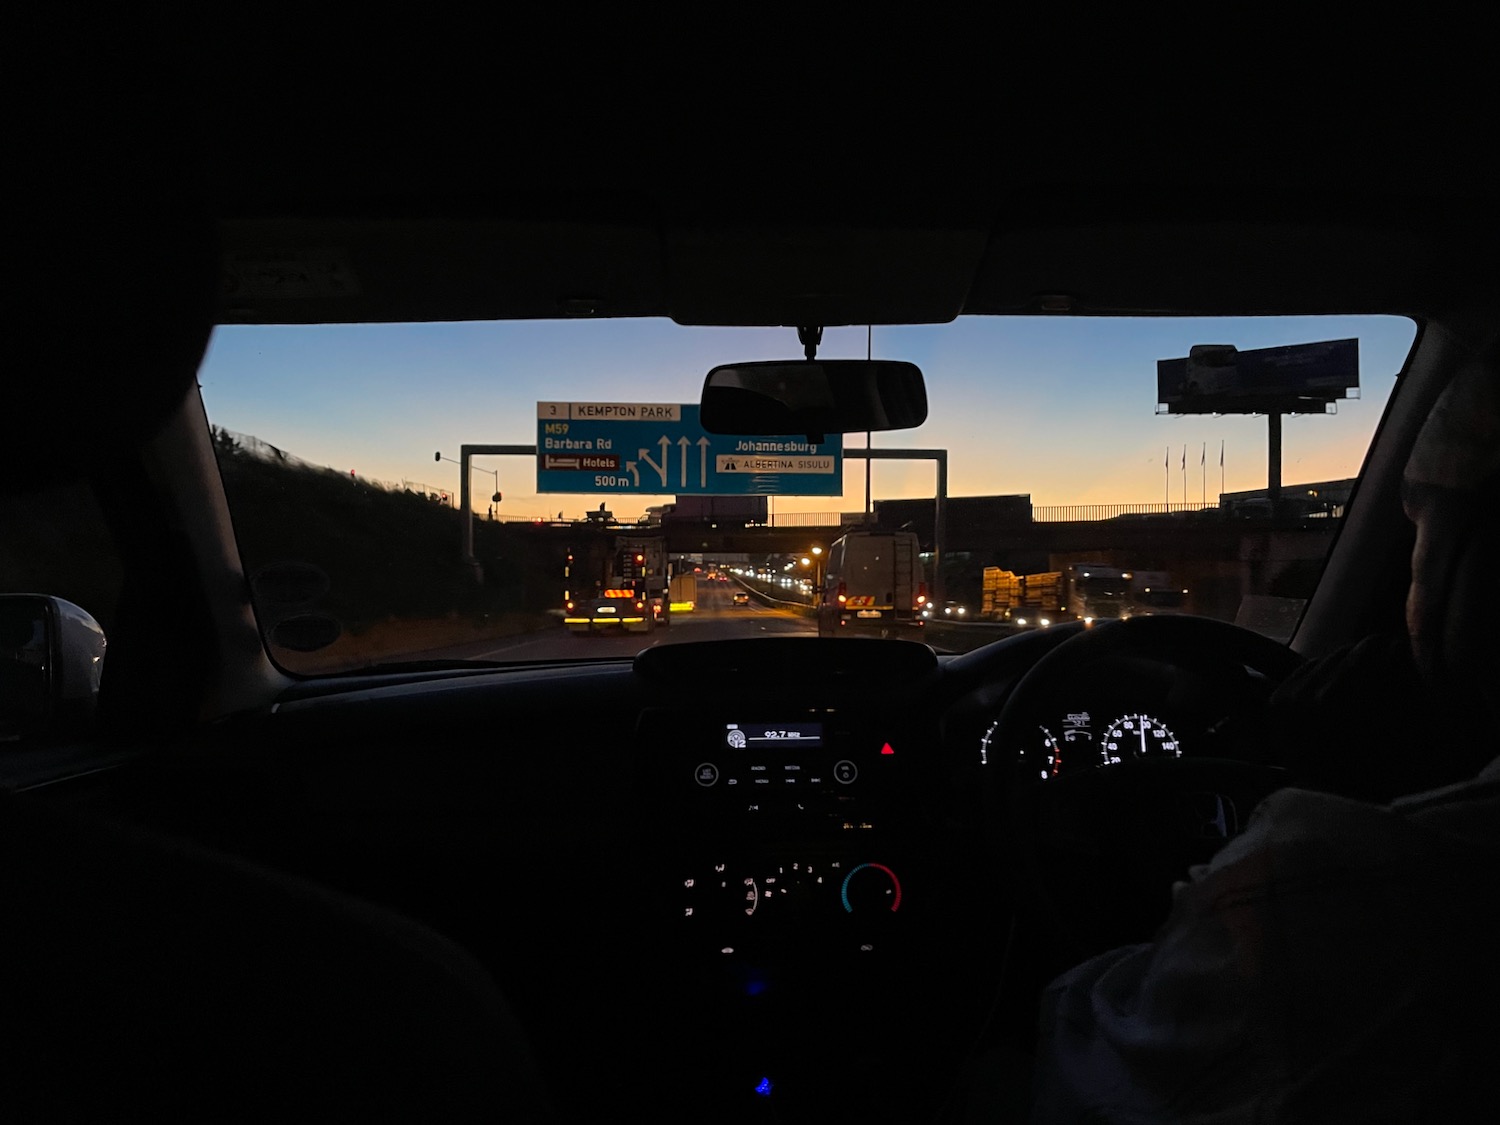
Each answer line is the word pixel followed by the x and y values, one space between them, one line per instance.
pixel 570 607
pixel 921 594
pixel 843 593
pixel 640 605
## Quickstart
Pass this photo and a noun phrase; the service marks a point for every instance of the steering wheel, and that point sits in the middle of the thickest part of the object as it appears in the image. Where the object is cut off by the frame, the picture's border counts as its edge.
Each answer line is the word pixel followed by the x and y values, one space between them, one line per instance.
pixel 1103 846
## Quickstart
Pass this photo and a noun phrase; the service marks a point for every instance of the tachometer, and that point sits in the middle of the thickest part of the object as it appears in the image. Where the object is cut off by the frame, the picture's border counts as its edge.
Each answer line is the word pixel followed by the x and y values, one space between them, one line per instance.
pixel 1139 736
pixel 1049 762
pixel 1043 759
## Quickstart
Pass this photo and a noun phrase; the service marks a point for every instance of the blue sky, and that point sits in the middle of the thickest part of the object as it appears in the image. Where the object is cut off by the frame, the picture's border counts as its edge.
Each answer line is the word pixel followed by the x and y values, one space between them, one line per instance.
pixel 1062 409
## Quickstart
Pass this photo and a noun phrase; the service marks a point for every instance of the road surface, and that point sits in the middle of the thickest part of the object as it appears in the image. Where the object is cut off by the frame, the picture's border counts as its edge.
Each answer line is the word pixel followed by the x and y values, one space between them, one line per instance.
pixel 713 619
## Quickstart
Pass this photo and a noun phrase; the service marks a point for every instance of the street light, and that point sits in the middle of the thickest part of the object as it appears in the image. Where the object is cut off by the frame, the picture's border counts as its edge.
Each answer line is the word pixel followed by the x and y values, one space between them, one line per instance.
pixel 813 561
pixel 495 499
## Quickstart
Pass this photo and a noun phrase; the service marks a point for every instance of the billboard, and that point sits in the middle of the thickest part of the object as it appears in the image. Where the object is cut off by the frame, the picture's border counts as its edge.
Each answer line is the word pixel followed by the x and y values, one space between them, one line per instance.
pixel 1296 379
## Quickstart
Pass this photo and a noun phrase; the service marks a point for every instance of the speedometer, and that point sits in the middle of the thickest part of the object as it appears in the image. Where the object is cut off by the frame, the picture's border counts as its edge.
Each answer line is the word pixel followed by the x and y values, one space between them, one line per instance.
pixel 1139 736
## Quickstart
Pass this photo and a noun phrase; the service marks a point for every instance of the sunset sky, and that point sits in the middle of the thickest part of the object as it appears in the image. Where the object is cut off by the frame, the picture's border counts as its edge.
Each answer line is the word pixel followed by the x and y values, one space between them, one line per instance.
pixel 1062 409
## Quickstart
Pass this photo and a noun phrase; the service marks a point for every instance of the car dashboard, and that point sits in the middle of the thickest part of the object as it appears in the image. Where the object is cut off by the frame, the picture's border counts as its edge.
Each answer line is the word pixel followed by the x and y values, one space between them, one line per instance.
pixel 718 874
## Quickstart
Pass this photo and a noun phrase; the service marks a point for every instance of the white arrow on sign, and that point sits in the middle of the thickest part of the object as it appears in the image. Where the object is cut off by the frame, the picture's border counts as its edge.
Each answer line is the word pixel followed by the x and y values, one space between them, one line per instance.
pixel 703 444
pixel 634 472
pixel 682 447
pixel 661 470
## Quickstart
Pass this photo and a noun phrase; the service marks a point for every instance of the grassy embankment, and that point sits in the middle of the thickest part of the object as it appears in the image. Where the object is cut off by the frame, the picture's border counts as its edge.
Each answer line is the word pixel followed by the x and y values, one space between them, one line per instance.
pixel 395 582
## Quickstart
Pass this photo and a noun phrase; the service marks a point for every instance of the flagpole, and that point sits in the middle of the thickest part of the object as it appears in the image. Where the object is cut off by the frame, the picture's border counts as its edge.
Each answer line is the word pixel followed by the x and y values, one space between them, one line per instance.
pixel 1166 470
pixel 1203 465
pixel 1221 467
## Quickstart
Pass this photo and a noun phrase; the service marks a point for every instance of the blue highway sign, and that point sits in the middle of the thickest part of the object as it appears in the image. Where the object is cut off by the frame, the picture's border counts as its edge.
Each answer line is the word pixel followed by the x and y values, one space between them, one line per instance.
pixel 659 449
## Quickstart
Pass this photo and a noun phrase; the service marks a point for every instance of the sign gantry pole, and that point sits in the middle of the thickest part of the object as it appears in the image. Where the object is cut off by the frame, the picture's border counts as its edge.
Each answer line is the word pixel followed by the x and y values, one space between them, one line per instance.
pixel 466 545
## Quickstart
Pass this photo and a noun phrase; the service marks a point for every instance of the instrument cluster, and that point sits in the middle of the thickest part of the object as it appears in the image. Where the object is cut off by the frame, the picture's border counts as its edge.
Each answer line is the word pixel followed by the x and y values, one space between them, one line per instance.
pixel 1074 741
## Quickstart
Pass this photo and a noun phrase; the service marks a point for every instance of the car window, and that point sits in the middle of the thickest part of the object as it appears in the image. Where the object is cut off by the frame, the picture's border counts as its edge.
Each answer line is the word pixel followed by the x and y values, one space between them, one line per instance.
pixel 1072 493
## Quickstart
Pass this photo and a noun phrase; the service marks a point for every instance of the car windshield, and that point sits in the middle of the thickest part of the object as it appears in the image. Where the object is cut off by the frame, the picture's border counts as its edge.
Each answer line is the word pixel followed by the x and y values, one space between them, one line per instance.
pixel 602 521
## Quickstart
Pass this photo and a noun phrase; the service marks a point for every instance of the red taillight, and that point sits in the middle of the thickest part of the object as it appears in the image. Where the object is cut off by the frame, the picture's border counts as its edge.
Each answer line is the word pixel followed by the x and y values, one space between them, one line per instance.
pixel 921 594
pixel 570 607
pixel 843 593
pixel 640 605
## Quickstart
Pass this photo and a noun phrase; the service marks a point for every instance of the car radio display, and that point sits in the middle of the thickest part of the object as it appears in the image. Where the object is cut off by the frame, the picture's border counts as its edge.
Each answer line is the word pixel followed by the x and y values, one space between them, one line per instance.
pixel 773 736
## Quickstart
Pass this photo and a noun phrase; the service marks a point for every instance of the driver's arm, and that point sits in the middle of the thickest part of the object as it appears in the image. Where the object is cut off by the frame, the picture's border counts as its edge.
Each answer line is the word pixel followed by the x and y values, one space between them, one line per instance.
pixel 1316 970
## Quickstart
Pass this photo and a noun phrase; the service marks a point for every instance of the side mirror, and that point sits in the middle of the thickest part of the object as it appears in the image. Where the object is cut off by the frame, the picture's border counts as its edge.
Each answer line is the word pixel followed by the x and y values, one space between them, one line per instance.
pixel 820 396
pixel 51 657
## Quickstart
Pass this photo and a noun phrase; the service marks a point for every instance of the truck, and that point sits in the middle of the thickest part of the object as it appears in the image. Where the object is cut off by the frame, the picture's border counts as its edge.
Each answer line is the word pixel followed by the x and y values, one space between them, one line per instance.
pixel 682 592
pixel 1097 591
pixel 1153 592
pixel 872 583
pixel 1024 600
pixel 1086 591
pixel 630 595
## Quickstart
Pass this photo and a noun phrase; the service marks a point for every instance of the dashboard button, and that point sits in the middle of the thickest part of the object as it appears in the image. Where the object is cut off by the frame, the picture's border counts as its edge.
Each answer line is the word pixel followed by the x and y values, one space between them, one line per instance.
pixel 844 771
pixel 707 774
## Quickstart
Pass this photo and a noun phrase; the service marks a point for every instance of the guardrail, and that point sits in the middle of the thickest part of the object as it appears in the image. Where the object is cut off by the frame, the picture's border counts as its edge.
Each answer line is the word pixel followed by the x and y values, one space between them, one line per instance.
pixel 762 590
pixel 1069 513
pixel 817 519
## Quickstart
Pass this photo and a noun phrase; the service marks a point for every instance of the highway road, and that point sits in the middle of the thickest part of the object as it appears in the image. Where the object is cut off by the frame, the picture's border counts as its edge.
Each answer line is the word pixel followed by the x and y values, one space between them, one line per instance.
pixel 715 618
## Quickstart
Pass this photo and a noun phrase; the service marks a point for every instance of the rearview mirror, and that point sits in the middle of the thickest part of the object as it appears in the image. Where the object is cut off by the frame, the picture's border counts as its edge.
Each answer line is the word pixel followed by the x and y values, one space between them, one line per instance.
pixel 820 396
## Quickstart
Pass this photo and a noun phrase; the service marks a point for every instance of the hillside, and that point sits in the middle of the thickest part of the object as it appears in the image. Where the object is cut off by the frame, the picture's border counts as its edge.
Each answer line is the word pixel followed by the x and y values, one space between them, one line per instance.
pixel 391 557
